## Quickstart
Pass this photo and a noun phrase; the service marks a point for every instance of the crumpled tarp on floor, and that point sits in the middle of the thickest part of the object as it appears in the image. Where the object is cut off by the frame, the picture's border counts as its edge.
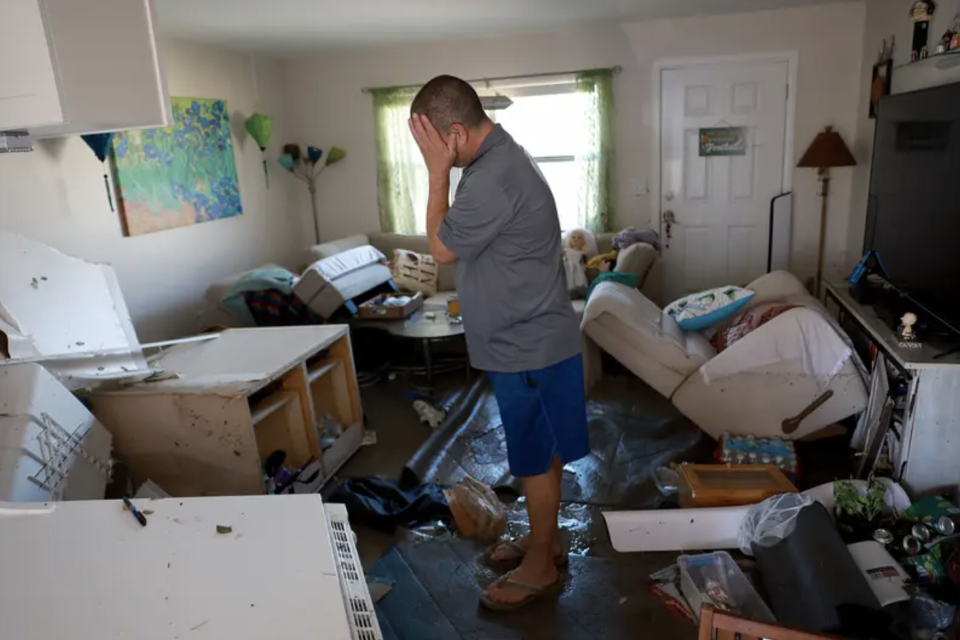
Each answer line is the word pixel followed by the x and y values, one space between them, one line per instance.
pixel 633 430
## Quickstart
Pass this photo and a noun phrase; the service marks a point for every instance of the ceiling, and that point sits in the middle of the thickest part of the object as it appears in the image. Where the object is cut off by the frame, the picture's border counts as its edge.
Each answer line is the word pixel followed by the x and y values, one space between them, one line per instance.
pixel 287 26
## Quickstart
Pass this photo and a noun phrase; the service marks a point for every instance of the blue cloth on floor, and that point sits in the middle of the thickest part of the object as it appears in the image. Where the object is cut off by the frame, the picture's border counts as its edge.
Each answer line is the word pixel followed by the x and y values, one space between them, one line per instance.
pixel 262 279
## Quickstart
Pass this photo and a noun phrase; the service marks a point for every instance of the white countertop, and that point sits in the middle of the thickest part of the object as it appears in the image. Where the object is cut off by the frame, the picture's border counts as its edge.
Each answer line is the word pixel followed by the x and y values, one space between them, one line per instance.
pixel 89 570
pixel 241 360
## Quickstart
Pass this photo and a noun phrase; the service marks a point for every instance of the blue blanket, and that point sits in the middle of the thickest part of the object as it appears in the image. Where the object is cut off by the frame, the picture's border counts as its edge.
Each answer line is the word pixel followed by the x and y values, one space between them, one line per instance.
pixel 262 279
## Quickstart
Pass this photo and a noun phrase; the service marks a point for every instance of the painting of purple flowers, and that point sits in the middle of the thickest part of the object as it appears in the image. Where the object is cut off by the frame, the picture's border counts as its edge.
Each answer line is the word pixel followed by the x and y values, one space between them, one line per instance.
pixel 179 175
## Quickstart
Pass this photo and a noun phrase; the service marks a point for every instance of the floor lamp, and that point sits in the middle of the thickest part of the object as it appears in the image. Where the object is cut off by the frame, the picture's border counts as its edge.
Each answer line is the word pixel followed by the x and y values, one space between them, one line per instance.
pixel 826 151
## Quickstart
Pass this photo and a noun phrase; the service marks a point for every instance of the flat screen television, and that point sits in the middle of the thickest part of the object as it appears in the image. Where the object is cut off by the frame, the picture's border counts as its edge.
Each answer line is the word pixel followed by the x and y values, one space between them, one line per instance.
pixel 913 212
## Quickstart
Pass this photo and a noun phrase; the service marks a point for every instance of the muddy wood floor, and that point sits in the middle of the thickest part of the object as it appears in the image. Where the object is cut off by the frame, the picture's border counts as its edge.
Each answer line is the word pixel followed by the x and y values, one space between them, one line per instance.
pixel 437 580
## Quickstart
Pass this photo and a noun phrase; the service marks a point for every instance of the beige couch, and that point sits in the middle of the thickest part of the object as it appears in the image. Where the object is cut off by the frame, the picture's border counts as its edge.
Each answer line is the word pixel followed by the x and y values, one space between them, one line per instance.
pixel 641 259
pixel 751 387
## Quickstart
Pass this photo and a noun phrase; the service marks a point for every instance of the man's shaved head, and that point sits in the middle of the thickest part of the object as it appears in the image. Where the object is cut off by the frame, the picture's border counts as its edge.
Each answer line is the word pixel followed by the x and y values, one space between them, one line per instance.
pixel 447 101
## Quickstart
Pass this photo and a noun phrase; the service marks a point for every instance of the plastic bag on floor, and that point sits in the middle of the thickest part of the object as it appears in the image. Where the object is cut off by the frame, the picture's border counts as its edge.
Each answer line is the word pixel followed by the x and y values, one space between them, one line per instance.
pixel 382 505
pixel 477 510
pixel 770 521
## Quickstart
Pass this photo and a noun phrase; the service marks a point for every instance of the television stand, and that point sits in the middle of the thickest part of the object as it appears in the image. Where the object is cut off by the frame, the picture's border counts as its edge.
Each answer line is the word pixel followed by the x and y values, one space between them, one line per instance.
pixel 949 352
pixel 926 444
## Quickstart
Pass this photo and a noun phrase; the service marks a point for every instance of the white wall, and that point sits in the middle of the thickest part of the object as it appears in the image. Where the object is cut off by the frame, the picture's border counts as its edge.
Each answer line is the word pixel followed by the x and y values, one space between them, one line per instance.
pixel 327 107
pixel 883 19
pixel 56 195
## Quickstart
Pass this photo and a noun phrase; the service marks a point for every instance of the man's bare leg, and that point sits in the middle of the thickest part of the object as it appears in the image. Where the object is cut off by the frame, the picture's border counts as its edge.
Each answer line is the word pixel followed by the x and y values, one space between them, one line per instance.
pixel 543 544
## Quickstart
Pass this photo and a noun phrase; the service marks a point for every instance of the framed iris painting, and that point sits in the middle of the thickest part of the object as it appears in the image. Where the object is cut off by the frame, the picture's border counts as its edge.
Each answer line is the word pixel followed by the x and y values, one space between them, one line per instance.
pixel 179 175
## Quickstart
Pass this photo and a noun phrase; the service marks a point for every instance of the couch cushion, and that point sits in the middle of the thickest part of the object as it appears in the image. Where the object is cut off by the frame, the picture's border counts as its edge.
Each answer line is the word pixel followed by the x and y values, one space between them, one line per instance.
pixel 604 242
pixel 704 309
pixel 637 258
pixel 416 272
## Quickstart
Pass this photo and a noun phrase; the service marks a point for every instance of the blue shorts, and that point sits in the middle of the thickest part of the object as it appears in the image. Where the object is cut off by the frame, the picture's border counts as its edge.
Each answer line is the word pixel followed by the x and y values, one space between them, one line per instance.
pixel 544 414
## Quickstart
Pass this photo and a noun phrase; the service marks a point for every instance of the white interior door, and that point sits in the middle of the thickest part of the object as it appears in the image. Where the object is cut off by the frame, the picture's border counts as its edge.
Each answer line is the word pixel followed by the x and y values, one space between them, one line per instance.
pixel 715 211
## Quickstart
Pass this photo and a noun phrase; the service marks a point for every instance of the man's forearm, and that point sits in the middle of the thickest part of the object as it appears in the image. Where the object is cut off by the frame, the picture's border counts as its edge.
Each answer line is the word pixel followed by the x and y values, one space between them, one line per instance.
pixel 438 204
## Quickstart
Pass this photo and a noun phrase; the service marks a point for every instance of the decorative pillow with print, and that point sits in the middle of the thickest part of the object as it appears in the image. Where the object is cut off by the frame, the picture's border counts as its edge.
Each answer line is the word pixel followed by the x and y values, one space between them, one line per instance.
pixel 415 272
pixel 699 311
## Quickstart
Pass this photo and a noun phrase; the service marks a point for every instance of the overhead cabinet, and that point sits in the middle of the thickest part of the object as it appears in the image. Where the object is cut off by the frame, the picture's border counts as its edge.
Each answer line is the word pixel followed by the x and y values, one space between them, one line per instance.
pixel 80 66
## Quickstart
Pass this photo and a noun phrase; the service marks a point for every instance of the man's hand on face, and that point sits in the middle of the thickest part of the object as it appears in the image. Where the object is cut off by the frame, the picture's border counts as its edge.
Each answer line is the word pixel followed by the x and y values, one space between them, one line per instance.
pixel 437 153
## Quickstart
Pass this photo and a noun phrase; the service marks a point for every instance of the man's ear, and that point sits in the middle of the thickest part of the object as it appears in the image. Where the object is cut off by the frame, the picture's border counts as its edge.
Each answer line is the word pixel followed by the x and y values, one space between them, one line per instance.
pixel 460 132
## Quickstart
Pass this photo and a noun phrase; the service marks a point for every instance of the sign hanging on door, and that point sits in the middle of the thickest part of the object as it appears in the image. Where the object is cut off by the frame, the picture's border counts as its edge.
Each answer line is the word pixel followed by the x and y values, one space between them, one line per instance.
pixel 723 141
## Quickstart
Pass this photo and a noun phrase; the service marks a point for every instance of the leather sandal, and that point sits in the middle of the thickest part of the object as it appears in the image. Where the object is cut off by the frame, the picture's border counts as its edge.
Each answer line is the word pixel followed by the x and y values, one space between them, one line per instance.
pixel 531 593
pixel 514 556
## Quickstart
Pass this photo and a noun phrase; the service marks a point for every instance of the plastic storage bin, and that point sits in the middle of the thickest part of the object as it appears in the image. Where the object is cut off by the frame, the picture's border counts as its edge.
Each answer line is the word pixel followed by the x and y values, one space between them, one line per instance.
pixel 51 447
pixel 714 578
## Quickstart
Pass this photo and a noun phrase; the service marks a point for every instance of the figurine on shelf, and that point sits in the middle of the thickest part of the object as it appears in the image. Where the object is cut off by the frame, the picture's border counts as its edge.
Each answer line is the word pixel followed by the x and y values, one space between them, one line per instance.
pixel 906 326
pixel 887 49
pixel 955 37
pixel 921 13
pixel 944 45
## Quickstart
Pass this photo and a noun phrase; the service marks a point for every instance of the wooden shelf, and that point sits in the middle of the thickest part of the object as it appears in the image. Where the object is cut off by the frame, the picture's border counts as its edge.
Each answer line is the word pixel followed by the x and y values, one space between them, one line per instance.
pixel 318 372
pixel 936 61
pixel 270 405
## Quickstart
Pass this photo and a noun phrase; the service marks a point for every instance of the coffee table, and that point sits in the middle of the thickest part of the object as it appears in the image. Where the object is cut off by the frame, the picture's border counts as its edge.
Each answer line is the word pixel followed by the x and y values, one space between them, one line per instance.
pixel 428 324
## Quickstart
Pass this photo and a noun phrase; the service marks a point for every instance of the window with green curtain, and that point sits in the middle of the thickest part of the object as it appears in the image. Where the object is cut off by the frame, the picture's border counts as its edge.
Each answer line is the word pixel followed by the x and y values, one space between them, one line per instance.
pixel 597 87
pixel 402 178
pixel 566 126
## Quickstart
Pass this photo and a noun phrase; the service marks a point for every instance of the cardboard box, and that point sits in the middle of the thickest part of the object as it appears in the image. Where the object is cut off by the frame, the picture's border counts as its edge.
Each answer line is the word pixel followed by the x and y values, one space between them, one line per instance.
pixel 374 309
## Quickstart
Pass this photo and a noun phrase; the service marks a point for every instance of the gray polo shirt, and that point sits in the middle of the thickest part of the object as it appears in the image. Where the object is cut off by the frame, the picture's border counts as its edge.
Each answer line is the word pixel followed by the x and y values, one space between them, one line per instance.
pixel 503 228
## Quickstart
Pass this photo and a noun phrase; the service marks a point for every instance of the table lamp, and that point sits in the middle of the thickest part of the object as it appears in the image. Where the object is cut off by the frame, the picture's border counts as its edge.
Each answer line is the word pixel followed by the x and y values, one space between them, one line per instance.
pixel 827 150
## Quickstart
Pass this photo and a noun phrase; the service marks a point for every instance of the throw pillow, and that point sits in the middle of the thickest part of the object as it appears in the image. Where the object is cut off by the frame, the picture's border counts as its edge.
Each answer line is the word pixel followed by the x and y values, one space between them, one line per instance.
pixel 415 272
pixel 699 311
pixel 750 320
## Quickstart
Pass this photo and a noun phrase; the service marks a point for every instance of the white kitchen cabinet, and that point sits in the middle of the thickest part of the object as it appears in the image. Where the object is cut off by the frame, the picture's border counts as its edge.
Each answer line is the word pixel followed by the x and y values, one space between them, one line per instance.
pixel 69 67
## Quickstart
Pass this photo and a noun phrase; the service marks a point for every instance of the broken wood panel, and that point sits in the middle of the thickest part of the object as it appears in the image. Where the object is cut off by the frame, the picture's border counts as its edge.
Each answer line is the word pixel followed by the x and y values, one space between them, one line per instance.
pixel 258 356
pixel 191 445
pixel 53 304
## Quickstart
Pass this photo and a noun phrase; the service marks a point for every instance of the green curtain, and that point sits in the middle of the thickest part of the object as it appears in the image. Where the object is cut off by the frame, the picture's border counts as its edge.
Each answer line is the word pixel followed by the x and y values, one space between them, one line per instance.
pixel 596 162
pixel 401 174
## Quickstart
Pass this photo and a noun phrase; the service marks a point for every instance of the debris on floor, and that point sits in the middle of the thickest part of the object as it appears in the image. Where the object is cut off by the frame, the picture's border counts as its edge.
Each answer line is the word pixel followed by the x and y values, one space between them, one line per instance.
pixel 379 588
pixel 848 558
pixel 330 430
pixel 279 479
pixel 429 414
pixel 714 578
pixel 476 509
pixel 665 587
pixel 739 449
pixel 723 485
pixel 150 490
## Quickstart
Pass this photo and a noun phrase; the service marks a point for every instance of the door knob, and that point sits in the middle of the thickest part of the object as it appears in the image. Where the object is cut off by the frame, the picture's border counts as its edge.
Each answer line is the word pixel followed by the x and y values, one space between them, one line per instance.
pixel 668 221
pixel 668 196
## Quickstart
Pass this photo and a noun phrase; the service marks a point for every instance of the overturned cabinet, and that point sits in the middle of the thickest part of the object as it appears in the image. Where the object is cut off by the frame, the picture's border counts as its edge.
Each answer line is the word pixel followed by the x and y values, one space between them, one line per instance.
pixel 229 402
pixel 200 417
